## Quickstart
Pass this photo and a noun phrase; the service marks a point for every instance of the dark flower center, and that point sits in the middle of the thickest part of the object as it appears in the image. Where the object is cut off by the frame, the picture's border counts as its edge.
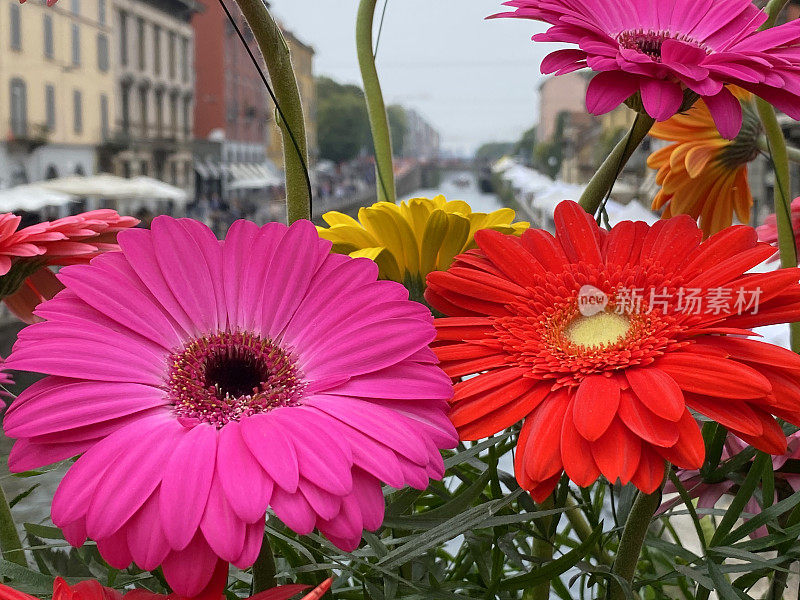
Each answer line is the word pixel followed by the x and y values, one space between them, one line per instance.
pixel 646 42
pixel 226 376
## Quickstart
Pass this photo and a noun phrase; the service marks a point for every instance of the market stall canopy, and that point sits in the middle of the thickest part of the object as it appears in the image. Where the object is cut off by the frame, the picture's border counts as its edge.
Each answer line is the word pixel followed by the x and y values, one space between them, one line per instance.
pixel 111 187
pixel 31 198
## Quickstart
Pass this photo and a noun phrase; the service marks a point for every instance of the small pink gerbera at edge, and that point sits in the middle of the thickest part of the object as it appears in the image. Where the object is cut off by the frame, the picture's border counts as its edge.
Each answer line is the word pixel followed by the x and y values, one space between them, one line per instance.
pixel 210 380
pixel 663 48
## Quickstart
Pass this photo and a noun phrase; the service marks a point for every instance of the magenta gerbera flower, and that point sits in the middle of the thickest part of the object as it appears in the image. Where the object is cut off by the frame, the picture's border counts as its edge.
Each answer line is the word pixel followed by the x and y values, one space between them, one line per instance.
pixel 205 381
pixel 663 47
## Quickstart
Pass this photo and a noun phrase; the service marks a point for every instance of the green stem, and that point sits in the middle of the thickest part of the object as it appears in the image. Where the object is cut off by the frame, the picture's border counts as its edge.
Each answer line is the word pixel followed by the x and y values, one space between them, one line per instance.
pixel 279 64
pixel 603 180
pixel 9 536
pixel 773 9
pixel 783 212
pixel 543 550
pixel 264 568
pixel 630 546
pixel 379 123
pixel 778 585
pixel 583 530
pixel 792 153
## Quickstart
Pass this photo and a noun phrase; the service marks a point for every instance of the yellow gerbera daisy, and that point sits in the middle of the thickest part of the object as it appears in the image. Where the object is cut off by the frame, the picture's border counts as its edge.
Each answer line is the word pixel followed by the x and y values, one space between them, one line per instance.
pixel 413 238
pixel 702 174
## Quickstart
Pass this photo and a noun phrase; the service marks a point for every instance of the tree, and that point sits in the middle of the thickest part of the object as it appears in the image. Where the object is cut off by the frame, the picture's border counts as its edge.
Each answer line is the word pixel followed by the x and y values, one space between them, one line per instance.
pixel 342 121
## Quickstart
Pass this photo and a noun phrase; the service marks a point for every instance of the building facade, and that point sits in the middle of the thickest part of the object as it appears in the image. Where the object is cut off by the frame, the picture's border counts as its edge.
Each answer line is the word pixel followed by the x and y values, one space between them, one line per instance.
pixel 152 132
pixel 564 93
pixel 421 140
pixel 232 111
pixel 57 88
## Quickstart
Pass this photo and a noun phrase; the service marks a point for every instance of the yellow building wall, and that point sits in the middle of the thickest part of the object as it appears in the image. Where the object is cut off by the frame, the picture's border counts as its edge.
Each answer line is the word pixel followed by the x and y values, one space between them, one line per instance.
pixel 32 66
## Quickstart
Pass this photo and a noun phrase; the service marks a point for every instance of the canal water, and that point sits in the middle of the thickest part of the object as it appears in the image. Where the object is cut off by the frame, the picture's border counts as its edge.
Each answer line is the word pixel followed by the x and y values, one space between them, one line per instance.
pixel 461 185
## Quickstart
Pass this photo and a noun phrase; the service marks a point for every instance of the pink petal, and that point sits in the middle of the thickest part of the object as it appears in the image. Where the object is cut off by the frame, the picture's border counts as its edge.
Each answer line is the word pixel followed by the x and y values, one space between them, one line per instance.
pixel 661 98
pixel 608 90
pixel 273 448
pixel 294 511
pixel 189 571
pixel 726 112
pixel 146 539
pixel 186 483
pixel 222 529
pixel 247 487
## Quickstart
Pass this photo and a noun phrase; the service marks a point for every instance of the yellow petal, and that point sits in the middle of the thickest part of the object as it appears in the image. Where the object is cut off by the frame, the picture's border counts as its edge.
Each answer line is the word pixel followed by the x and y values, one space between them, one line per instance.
pixel 432 238
pixel 380 223
pixel 334 217
pixel 387 265
pixel 454 241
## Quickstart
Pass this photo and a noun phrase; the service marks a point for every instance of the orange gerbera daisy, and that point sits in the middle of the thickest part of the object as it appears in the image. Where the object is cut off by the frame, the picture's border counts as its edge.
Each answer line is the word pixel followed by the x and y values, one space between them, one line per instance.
pixel 603 341
pixel 702 174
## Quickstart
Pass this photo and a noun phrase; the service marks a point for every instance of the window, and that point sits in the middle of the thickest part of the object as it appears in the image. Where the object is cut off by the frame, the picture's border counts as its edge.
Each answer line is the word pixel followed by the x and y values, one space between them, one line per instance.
pixel 187 117
pixel 185 59
pixel 76 45
pixel 172 58
pixel 173 114
pixel 49 49
pixel 102 52
pixel 19 108
pixel 125 97
pixel 140 28
pixel 104 126
pixel 16 33
pixel 50 107
pixel 102 12
pixel 143 109
pixel 143 170
pixel 77 102
pixel 123 39
pixel 159 113
pixel 157 50
pixel 76 7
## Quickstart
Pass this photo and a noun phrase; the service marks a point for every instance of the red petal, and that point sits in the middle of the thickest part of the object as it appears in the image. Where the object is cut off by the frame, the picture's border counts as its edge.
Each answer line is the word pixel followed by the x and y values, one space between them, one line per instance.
pixel 595 406
pixel 772 440
pixel 576 454
pixel 657 391
pixel 617 453
pixel 670 244
pixel 690 450
pixel 731 414
pixel 462 351
pixel 731 268
pixel 624 243
pixel 712 376
pixel 470 367
pixel 575 231
pixel 753 351
pixel 508 254
pixel 544 248
pixel 463 328
pixel 644 423
pixel 650 472
pixel 448 284
pixel 719 247
pixel 540 491
pixel 542 458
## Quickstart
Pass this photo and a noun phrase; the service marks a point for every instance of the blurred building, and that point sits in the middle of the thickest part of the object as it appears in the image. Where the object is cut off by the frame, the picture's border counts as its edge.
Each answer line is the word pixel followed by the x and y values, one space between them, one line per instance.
pixel 153 52
pixel 565 93
pixel 57 88
pixel 421 140
pixel 232 112
pixel 303 63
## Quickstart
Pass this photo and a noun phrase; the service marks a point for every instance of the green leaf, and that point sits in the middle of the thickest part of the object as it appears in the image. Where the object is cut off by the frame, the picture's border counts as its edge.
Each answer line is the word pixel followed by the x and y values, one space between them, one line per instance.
pixel 554 568
pixel 723 587
pixel 740 500
pixel 43 531
pixel 32 581
pixel 22 495
pixel 767 515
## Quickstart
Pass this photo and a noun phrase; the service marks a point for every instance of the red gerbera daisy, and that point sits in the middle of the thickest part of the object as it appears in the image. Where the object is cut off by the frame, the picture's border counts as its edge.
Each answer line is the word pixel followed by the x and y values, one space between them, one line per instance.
pixel 603 342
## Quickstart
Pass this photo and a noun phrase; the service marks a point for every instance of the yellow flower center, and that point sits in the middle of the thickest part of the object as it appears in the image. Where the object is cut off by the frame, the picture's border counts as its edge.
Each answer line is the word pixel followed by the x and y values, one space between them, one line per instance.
pixel 602 329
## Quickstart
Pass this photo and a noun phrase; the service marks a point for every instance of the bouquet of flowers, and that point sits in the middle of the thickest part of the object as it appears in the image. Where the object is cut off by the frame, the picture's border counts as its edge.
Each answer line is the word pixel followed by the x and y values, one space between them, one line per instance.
pixel 427 401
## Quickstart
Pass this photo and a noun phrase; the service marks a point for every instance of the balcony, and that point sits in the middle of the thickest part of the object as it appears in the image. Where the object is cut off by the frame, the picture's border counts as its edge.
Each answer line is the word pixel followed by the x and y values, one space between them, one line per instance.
pixel 27 137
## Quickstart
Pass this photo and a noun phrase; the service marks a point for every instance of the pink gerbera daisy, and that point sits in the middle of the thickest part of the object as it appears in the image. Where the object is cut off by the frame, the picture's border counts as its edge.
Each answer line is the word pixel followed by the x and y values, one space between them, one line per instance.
pixel 72 240
pixel 663 48
pixel 205 381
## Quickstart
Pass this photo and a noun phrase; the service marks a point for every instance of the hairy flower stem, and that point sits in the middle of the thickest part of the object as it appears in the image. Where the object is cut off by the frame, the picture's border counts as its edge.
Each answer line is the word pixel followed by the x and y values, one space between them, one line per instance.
pixel 543 550
pixel 9 536
pixel 279 64
pixel 630 547
pixel 378 121
pixel 773 9
pixel 783 212
pixel 603 180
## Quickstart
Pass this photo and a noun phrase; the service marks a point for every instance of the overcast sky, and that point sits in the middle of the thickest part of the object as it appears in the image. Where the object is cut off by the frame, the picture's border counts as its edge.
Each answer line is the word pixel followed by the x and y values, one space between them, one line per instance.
pixel 474 80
